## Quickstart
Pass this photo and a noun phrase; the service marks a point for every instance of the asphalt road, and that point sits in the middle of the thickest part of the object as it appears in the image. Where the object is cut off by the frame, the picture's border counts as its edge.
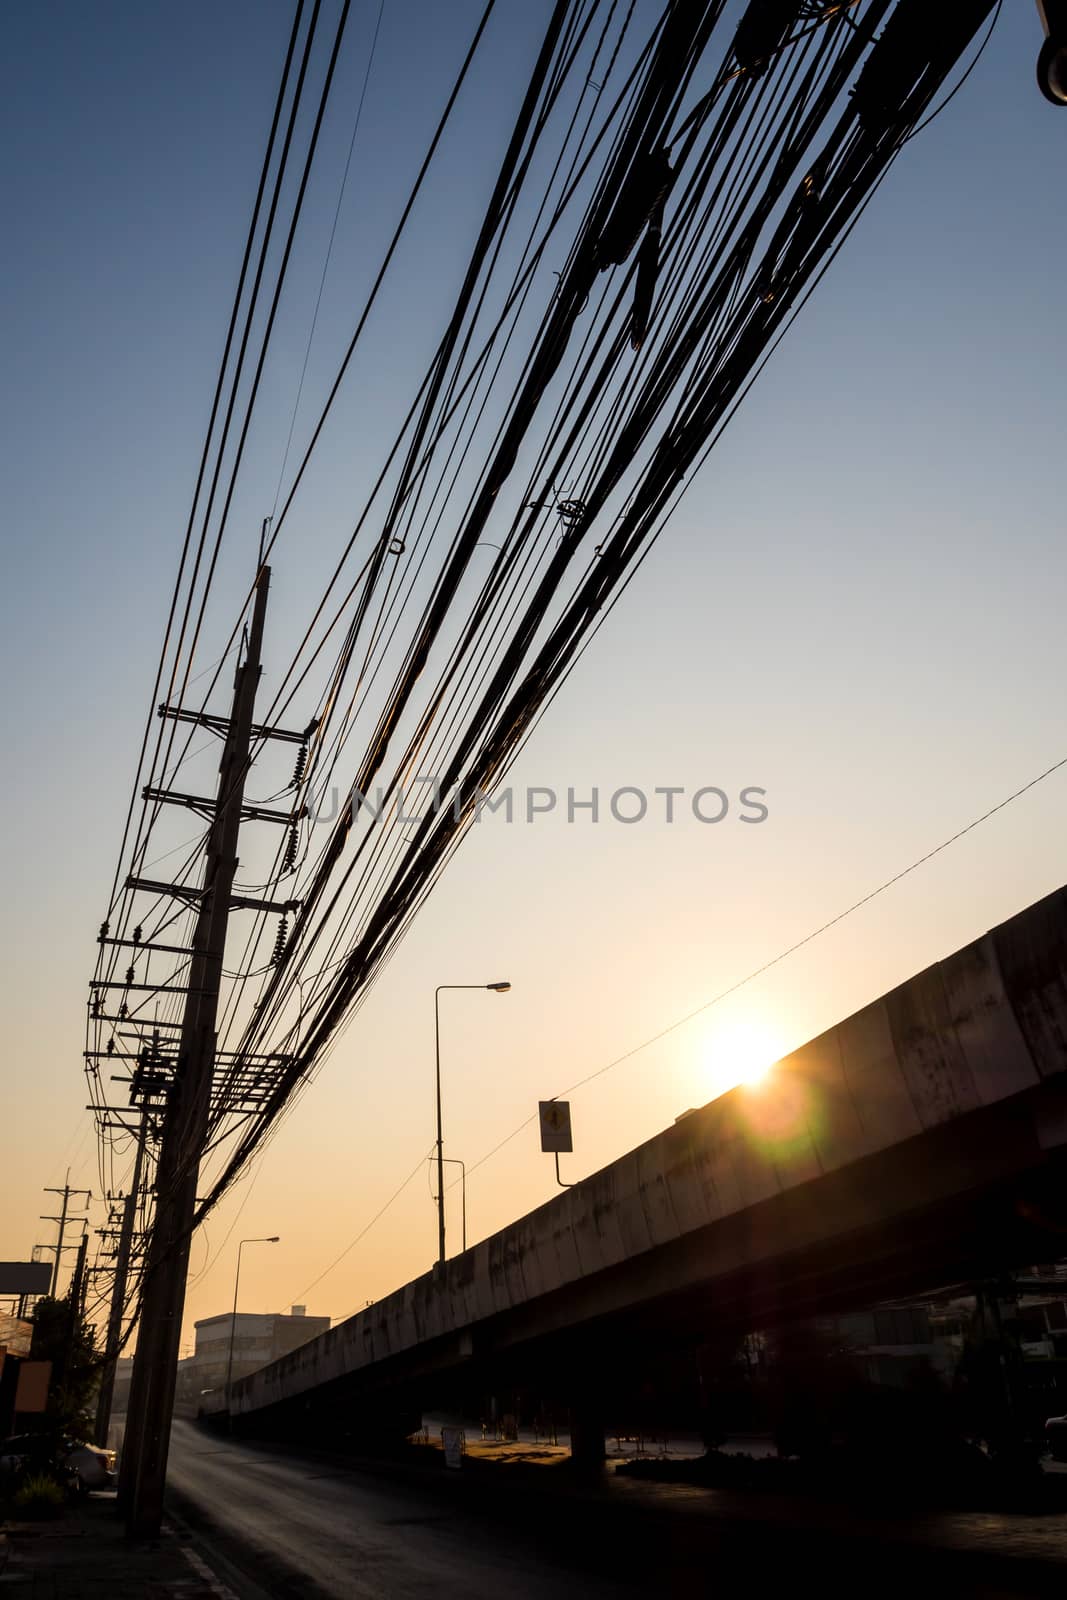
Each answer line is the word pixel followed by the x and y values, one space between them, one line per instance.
pixel 308 1526
pixel 315 1529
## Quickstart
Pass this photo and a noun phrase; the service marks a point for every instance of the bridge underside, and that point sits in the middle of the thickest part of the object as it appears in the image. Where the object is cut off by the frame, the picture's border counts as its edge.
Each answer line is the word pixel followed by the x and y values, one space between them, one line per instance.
pixel 968 1200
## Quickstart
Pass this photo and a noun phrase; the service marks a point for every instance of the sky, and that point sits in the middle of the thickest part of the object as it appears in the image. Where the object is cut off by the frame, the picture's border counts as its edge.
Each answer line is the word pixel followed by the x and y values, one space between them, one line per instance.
pixel 857 608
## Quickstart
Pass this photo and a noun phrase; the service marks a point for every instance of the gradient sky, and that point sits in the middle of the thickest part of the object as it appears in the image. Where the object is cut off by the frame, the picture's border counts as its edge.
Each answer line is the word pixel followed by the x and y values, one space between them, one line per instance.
pixel 858 608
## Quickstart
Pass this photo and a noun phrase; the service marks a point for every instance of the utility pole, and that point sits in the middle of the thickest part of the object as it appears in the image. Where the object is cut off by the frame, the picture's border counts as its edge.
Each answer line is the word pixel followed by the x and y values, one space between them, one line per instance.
pixel 76 1299
pixel 77 1285
pixel 66 1192
pixel 118 1290
pixel 186 1118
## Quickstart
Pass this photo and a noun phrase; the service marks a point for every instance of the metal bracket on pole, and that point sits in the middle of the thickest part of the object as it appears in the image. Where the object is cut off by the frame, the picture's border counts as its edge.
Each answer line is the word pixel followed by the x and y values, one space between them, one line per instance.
pixel 152 949
pixel 180 891
pixel 240 902
pixel 146 1022
pixel 147 988
pixel 206 806
pixel 221 725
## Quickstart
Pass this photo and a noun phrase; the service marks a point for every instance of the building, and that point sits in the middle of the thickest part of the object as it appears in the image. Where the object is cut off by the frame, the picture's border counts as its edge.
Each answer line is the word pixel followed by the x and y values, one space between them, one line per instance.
pixel 15 1338
pixel 258 1338
pixel 120 1395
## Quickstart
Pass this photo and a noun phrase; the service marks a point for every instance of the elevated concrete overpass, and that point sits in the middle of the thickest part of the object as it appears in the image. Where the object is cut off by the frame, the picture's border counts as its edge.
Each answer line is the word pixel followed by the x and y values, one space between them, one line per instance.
pixel 922 1140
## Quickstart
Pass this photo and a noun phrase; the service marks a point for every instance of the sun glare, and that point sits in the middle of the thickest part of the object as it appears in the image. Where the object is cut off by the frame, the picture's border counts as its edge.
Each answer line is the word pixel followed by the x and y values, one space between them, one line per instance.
pixel 742 1052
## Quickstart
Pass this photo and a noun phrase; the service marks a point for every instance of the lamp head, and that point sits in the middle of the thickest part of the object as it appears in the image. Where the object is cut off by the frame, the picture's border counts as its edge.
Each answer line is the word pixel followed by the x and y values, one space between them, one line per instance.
pixel 499 988
pixel 1052 61
pixel 1052 71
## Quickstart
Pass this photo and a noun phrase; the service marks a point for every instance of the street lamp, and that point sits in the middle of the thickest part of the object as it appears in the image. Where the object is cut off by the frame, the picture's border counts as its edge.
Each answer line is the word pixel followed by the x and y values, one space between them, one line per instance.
pixel 273 1239
pixel 497 988
pixel 454 1161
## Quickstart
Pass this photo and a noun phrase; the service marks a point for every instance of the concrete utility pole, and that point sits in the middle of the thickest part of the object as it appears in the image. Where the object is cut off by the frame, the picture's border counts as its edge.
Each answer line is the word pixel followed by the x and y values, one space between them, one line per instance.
pixel 185 1122
pixel 66 1192
pixel 77 1285
pixel 118 1291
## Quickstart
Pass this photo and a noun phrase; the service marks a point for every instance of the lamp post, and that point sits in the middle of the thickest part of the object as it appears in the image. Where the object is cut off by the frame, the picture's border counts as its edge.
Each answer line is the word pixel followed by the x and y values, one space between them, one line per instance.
pixel 272 1239
pixel 454 1161
pixel 497 988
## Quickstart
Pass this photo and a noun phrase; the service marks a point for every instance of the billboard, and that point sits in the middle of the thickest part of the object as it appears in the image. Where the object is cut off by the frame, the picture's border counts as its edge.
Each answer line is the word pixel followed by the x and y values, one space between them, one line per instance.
pixel 25 1277
pixel 32 1392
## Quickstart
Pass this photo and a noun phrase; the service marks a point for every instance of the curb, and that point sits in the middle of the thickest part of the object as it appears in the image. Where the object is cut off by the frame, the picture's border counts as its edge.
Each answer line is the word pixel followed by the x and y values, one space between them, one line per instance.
pixel 225 1580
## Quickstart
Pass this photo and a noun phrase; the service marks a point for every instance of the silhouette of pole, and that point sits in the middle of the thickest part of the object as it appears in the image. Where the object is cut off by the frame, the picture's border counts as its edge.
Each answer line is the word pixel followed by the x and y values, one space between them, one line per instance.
pixel 62 1220
pixel 113 1339
pixel 185 1123
pixel 59 1242
pixel 499 988
pixel 271 1239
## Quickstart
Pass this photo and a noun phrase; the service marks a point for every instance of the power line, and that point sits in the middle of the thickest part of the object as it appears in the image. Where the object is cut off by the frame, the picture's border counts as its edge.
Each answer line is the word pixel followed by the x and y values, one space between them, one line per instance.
pixel 691 223
pixel 351 1245
pixel 329 252
pixel 758 972
pixel 714 327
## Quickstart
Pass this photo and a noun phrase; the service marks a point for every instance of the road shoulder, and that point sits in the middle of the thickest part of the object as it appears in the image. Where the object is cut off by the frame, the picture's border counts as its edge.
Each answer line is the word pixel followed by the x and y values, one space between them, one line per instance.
pixel 85 1552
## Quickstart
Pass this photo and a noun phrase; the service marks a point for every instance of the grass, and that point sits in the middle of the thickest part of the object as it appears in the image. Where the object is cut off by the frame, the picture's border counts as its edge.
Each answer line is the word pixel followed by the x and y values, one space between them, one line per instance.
pixel 40 1496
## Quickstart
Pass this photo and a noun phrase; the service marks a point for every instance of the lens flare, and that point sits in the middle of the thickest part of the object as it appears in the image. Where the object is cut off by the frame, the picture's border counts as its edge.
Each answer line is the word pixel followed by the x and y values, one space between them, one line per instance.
pixel 742 1052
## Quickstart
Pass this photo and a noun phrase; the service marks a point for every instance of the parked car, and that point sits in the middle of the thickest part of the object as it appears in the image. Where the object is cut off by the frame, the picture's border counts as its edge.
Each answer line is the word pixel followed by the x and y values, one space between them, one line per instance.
pixel 1056 1437
pixel 95 1467
pixel 88 1465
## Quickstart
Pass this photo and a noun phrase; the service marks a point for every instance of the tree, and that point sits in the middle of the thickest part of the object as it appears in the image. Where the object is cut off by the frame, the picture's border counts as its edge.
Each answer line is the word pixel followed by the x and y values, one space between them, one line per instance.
pixel 62 1336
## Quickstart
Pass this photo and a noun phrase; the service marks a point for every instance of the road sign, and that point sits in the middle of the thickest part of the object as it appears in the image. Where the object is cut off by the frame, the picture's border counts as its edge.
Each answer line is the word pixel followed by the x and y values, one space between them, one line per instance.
pixel 556 1126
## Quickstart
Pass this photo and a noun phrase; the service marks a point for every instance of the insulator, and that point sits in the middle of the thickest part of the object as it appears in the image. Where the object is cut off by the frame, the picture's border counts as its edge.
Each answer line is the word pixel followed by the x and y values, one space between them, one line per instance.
pixel 124 1011
pixel 111 1047
pixel 137 934
pixel 301 763
pixel 129 974
pixel 291 848
pixel 570 512
pixel 95 1007
pixel 279 941
pixel 104 926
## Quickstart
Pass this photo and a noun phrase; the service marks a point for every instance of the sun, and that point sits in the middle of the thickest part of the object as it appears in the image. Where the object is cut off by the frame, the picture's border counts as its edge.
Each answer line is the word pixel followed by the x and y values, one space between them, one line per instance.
pixel 742 1051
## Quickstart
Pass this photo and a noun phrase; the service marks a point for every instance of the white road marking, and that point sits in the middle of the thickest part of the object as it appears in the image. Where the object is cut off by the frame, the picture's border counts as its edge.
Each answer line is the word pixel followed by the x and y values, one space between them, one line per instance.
pixel 203 1571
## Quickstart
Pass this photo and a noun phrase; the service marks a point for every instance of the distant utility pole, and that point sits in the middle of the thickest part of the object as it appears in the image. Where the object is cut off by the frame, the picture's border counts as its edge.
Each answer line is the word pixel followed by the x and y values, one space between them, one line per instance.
pixel 118 1289
pixel 67 1192
pixel 185 1118
pixel 77 1285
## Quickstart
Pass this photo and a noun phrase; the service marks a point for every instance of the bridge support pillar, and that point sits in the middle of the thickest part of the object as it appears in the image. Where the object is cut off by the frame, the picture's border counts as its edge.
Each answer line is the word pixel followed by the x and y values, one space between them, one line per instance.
pixel 588 1436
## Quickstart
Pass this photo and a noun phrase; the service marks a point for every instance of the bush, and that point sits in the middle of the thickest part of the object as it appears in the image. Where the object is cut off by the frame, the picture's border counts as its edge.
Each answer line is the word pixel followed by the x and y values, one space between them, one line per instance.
pixel 40 1496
